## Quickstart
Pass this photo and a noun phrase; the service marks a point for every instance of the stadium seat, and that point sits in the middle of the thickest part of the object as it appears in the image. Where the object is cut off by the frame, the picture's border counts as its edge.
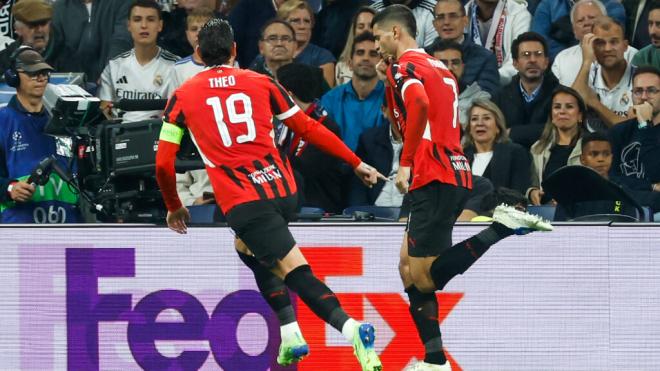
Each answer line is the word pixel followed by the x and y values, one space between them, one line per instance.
pixel 308 213
pixel 374 213
pixel 206 214
pixel 544 211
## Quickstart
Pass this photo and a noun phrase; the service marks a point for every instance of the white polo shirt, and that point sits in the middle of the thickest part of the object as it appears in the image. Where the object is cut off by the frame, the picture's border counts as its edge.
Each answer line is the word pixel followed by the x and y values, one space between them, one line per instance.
pixel 618 99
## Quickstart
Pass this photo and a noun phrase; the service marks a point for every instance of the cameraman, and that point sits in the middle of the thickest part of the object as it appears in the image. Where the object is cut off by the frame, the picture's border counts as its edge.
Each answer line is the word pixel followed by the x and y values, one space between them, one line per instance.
pixel 23 145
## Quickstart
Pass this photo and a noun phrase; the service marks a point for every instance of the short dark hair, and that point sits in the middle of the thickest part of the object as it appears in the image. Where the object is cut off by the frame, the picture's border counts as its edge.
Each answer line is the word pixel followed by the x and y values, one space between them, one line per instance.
pixel 278 21
pixel 440 45
pixel 462 9
pixel 596 136
pixel 646 68
pixel 365 36
pixel 146 4
pixel 526 37
pixel 216 39
pixel 655 5
pixel 398 13
pixel 303 80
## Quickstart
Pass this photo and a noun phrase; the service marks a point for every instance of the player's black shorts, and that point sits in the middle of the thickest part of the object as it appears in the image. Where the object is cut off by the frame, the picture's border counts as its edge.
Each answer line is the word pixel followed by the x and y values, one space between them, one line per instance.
pixel 434 209
pixel 263 226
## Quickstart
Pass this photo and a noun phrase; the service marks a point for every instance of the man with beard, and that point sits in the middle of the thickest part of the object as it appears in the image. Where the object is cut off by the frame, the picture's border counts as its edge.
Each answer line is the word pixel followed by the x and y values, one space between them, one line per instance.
pixel 606 86
pixel 32 24
pixel 525 101
pixel 355 105
pixel 636 162
pixel 650 55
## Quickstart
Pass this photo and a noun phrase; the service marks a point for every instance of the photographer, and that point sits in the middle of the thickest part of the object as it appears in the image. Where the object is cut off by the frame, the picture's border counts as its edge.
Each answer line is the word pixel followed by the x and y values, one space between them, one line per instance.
pixel 23 145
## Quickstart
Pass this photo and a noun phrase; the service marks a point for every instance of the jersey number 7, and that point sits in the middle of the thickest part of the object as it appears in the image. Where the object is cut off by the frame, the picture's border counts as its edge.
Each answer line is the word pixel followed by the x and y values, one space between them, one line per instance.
pixel 234 117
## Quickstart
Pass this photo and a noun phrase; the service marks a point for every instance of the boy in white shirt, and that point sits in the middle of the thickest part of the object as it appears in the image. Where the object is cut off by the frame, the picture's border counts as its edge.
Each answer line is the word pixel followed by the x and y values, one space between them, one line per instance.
pixel 142 72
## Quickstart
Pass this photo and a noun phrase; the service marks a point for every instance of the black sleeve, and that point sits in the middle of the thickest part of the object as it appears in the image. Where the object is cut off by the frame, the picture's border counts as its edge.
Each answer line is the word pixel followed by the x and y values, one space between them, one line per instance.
pixel 521 168
pixel 526 135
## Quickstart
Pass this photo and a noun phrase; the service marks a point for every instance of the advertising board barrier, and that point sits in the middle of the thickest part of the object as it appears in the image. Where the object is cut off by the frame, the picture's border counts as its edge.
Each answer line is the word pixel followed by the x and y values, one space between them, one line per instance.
pixel 131 298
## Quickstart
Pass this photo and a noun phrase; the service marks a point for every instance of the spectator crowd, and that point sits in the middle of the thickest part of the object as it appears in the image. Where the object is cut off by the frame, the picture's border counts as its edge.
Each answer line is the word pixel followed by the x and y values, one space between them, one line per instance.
pixel 542 85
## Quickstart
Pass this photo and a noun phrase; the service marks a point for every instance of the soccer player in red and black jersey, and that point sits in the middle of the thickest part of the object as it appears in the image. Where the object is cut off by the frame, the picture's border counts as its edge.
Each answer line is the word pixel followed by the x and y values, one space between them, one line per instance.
pixel 423 96
pixel 228 113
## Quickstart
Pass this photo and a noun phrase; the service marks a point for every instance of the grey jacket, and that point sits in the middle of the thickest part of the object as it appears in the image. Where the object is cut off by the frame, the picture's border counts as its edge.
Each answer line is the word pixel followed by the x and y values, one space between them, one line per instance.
pixel 84 45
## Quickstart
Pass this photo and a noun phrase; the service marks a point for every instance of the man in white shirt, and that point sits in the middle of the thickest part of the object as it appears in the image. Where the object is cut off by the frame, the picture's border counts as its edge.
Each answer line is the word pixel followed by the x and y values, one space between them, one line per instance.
pixel 494 24
pixel 567 63
pixel 142 72
pixel 606 86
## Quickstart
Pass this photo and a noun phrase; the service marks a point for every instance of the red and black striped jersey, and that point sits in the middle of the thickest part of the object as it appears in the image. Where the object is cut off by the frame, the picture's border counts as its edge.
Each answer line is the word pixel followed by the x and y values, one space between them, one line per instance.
pixel 432 141
pixel 229 115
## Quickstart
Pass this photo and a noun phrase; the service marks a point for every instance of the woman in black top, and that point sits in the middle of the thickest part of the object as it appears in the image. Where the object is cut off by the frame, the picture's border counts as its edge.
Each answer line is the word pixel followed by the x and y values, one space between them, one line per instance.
pixel 490 152
pixel 560 142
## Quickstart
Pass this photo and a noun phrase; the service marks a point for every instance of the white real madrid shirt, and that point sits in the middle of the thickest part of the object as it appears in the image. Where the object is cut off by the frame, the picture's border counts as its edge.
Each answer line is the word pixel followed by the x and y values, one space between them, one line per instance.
pixel 125 78
pixel 568 62
pixel 617 99
pixel 183 70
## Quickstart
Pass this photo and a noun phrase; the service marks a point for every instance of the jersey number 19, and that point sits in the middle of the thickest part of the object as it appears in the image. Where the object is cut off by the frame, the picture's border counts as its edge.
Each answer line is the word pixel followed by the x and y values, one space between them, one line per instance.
pixel 234 117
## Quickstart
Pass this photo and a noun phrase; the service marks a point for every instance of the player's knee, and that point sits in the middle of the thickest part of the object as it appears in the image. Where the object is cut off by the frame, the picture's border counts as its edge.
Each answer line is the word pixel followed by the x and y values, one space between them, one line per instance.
pixel 423 282
pixel 404 268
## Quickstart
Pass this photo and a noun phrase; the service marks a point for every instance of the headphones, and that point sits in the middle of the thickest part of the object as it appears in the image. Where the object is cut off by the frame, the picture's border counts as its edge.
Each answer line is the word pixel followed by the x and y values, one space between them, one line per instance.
pixel 11 75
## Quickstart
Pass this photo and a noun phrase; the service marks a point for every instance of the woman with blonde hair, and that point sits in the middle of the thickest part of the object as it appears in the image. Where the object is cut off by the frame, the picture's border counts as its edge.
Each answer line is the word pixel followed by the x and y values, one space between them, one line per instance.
pixel 561 141
pixel 301 16
pixel 361 23
pixel 491 154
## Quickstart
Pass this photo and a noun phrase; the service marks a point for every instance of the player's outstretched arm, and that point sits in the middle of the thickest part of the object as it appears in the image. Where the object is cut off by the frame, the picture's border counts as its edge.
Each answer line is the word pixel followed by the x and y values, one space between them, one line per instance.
pixel 168 146
pixel 318 135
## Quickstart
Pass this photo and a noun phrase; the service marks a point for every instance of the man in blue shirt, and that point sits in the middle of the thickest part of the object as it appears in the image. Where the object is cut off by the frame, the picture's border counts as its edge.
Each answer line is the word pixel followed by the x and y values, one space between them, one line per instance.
pixel 23 145
pixel 355 105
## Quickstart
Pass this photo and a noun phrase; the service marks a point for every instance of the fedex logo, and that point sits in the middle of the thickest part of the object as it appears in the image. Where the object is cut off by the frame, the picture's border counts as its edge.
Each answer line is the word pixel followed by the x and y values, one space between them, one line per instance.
pixel 87 308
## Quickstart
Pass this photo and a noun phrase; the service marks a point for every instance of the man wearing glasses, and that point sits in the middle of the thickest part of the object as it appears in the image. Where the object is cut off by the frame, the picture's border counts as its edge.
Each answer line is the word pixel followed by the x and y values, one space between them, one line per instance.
pixel 277 45
pixel 23 145
pixel 32 23
pixel 636 142
pixel 450 21
pixel 526 100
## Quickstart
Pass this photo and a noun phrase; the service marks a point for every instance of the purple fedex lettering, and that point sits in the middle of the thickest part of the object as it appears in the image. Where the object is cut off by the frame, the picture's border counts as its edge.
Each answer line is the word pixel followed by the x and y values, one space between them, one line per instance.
pixel 143 330
pixel 86 308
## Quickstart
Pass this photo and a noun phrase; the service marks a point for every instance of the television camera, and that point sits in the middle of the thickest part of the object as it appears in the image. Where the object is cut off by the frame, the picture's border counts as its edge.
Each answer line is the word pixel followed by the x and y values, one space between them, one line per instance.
pixel 115 162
